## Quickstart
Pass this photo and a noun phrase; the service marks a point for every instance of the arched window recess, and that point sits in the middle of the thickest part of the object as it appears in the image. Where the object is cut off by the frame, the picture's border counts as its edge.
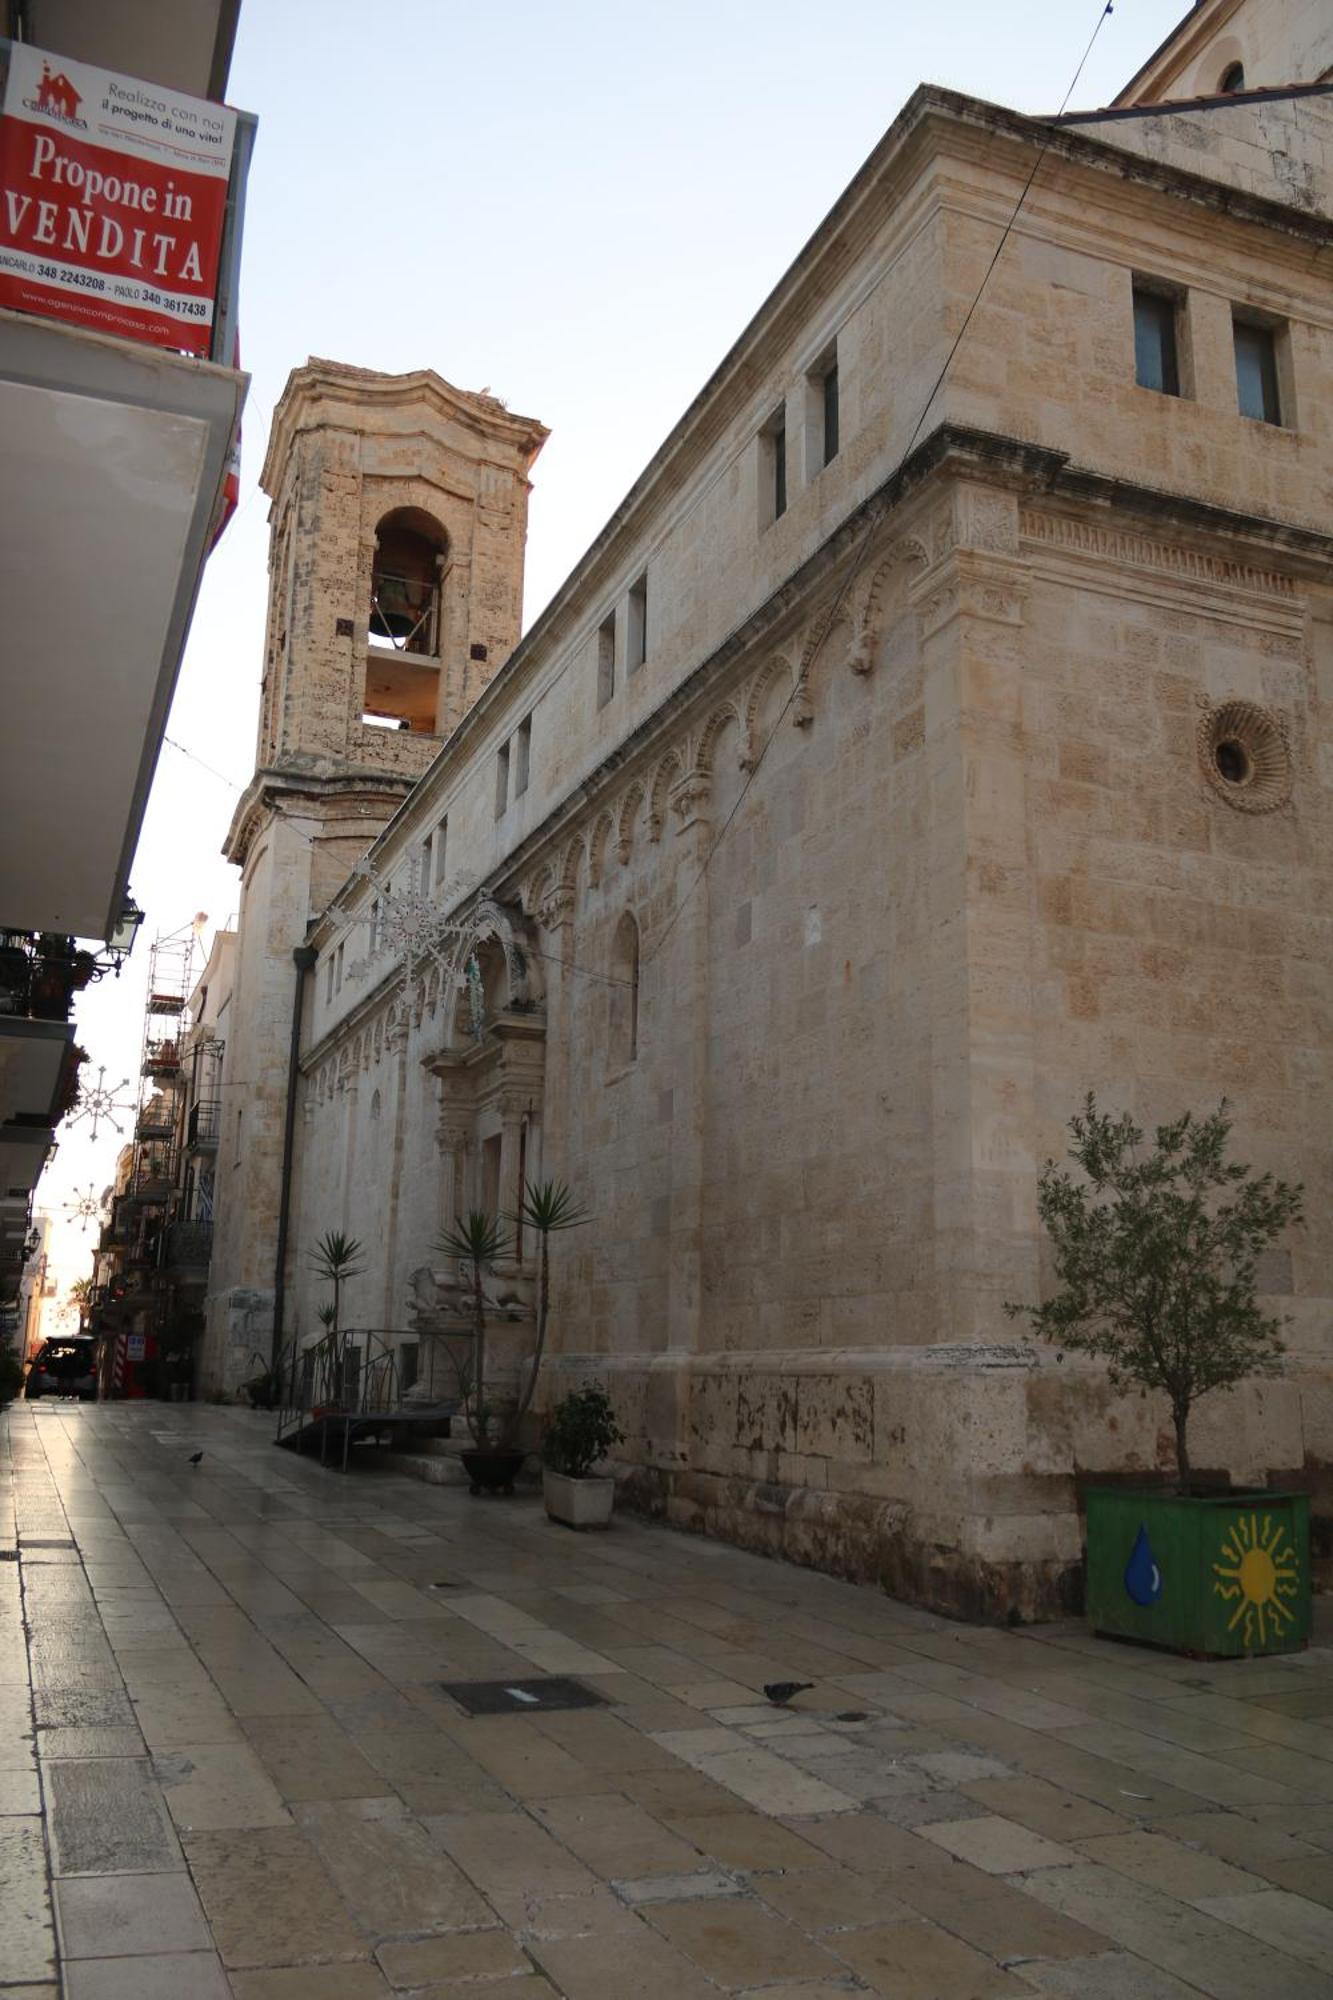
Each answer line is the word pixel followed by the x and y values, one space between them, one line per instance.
pixel 624 1022
pixel 410 559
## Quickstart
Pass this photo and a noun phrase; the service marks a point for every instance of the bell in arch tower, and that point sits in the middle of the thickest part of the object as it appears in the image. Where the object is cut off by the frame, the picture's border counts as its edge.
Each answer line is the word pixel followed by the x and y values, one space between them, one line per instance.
pixel 396 570
pixel 398 522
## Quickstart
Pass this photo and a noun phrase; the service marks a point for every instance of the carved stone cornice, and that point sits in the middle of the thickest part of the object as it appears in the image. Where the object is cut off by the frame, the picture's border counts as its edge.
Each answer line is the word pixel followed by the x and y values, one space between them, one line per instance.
pixel 1070 534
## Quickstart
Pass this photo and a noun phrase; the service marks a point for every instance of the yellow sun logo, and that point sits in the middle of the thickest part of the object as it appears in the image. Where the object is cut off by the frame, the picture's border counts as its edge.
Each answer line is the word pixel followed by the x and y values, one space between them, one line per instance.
pixel 1260 1569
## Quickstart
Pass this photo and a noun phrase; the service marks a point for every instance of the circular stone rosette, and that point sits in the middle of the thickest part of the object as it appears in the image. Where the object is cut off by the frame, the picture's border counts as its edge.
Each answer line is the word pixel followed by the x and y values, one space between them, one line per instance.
pixel 1245 756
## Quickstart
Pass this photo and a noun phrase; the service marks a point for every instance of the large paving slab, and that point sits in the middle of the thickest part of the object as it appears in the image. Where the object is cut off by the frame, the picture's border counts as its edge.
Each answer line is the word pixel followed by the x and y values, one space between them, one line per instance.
pixel 231 1769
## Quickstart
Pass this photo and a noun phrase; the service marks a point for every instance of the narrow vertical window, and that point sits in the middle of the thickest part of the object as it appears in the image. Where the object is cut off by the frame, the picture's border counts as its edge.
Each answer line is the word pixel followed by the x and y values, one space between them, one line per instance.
pixel 424 865
pixel 374 927
pixel 501 779
pixel 606 660
pixel 338 971
pixel 1156 365
pixel 1257 391
pixel 636 648
pixel 772 449
pixel 831 412
pixel 522 756
pixel 328 981
pixel 441 852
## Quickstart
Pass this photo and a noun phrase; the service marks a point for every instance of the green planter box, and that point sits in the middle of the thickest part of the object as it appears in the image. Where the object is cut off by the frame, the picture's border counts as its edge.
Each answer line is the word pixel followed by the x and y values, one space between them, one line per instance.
pixel 1226 1577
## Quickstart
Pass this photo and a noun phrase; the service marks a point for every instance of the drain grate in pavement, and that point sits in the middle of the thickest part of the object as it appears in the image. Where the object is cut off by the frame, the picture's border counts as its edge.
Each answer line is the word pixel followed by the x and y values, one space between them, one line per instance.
pixel 9 1555
pixel 44 1542
pixel 535 1697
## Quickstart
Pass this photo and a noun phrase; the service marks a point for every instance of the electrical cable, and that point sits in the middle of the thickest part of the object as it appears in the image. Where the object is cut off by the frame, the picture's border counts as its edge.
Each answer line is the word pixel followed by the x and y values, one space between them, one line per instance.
pixel 830 619
pixel 854 571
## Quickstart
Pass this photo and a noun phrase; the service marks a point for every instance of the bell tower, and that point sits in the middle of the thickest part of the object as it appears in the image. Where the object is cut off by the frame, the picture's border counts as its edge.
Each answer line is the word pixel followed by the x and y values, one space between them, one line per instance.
pixel 397 530
pixel 396 566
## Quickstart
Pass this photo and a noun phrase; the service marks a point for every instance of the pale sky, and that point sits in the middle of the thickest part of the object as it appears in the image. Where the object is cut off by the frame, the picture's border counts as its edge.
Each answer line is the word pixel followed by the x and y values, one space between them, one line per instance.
pixel 575 204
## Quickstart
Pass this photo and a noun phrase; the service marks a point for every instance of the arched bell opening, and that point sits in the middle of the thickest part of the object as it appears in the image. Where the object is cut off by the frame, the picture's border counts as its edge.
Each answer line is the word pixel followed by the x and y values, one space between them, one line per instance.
pixel 411 551
pixel 404 624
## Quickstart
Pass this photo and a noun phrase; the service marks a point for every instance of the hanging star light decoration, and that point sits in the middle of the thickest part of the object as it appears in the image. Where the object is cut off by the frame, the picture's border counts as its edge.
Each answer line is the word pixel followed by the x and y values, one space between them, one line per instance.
pixel 84 1208
pixel 101 1102
pixel 413 926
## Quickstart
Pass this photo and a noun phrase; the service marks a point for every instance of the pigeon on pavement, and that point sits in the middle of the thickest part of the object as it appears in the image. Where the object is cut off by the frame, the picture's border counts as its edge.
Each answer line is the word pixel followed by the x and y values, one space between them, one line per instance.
pixel 781 1692
pixel 195 1457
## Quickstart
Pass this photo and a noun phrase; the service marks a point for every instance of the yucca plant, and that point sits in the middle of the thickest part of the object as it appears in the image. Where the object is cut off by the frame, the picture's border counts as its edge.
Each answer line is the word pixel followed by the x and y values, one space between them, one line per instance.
pixel 476 1240
pixel 546 1208
pixel 337 1258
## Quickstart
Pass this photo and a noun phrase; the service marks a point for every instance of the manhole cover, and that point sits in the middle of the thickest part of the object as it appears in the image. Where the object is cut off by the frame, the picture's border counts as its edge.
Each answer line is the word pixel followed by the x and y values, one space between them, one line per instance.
pixel 522 1697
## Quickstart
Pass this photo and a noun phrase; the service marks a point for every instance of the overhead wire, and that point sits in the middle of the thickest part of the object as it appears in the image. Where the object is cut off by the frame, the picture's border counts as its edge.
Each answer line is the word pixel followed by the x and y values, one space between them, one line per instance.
pixel 830 616
pixel 830 619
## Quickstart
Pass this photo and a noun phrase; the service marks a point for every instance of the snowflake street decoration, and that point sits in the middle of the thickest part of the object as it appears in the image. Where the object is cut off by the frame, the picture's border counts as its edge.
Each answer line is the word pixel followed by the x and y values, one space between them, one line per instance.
pixel 84 1208
pixel 411 926
pixel 102 1101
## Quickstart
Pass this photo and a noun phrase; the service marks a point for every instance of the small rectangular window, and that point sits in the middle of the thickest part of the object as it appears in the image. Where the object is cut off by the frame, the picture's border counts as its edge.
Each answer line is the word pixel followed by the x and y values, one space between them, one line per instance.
pixel 831 413
pixel 374 927
pixel 501 779
pixel 424 865
pixel 338 971
pixel 441 852
pixel 636 646
pixel 328 981
pixel 772 447
pixel 1257 391
pixel 1156 364
pixel 606 660
pixel 523 759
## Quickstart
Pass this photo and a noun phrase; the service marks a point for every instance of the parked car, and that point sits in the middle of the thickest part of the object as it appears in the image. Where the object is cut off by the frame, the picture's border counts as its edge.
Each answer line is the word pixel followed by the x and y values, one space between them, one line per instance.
pixel 66 1367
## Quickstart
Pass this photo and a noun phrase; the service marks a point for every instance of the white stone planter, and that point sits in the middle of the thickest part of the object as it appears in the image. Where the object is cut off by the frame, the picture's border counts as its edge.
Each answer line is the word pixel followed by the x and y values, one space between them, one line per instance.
pixel 579 1503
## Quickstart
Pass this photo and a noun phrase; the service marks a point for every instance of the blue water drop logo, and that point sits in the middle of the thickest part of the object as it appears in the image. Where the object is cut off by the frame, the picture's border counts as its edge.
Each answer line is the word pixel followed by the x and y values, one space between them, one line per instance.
pixel 1143 1579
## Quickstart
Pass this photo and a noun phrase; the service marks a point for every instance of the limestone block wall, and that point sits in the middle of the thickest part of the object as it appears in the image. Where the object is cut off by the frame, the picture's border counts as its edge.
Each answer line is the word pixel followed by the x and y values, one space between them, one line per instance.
pixel 1259 145
pixel 239 1306
pixel 1050 356
pixel 909 806
pixel 1275 41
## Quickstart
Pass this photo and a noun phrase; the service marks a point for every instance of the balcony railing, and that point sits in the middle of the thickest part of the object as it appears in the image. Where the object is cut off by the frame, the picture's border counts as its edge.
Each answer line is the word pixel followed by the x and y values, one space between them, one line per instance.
pixel 162 1059
pixel 190 1245
pixel 204 1127
pixel 39 975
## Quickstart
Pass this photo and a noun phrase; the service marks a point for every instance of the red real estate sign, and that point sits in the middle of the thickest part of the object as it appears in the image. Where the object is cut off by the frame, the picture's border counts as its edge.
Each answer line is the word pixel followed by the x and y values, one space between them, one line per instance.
pixel 113 195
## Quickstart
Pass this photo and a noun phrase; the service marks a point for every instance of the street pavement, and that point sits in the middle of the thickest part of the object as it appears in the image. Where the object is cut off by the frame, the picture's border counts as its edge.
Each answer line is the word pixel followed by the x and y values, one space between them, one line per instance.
pixel 229 1765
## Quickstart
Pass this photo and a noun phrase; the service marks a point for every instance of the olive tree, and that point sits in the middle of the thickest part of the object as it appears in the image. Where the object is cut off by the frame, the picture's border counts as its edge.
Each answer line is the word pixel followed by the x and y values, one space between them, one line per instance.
pixel 1156 1252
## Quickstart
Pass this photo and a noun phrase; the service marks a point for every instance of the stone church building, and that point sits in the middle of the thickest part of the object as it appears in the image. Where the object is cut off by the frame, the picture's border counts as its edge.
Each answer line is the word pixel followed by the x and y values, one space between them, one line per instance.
pixel 939 729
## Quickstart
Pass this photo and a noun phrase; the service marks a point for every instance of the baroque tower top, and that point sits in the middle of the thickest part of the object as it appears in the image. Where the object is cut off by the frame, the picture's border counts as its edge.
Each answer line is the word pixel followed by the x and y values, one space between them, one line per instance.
pixel 396 565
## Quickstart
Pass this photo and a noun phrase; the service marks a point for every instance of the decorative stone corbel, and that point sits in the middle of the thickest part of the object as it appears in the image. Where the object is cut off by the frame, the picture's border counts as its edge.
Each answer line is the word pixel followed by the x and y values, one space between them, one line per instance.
pixel 690 796
pixel 556 908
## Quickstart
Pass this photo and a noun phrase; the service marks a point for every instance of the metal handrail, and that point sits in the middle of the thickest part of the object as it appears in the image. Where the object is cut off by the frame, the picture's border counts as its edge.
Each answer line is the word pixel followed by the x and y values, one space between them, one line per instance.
pixel 316 1383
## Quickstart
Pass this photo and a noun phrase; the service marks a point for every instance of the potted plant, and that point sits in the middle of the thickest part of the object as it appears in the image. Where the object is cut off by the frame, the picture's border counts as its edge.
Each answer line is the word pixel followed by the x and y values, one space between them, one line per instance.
pixel 1156 1254
pixel 477 1241
pixel 580 1434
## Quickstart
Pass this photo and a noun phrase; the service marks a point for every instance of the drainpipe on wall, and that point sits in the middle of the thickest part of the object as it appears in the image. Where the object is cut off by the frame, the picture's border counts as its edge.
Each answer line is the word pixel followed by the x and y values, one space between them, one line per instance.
pixel 303 958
